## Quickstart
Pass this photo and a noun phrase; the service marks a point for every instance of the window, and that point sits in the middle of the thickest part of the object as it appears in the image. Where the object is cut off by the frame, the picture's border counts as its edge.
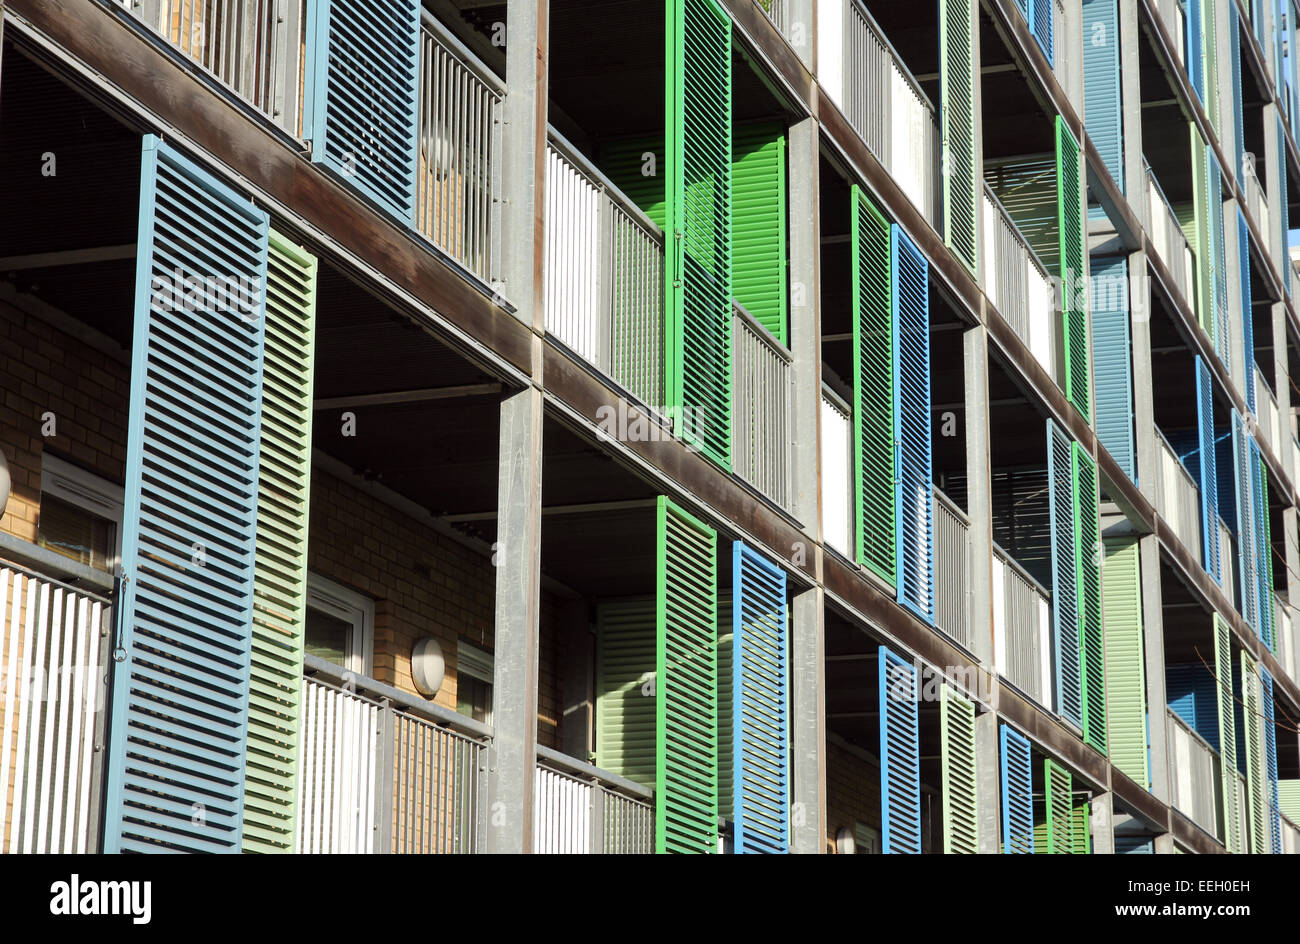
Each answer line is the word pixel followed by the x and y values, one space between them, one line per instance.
pixel 80 514
pixel 474 682
pixel 340 625
pixel 866 841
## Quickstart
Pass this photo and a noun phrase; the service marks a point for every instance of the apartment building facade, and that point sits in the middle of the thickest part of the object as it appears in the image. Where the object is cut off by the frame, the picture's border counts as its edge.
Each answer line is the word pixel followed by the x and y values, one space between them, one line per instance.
pixel 598 426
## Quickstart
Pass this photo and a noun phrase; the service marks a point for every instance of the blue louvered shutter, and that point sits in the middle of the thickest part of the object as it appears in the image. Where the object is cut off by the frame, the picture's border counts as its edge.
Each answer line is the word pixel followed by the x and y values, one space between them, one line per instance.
pixel 1238 103
pixel 1209 478
pixel 1191 693
pixel 1065 610
pixel 1247 309
pixel 1101 86
pixel 900 755
pixel 1040 23
pixel 1192 47
pixel 1112 361
pixel 1017 792
pixel 1134 845
pixel 760 704
pixel 914 495
pixel 1272 811
pixel 361 96
pixel 1263 544
pixel 1245 502
pixel 175 771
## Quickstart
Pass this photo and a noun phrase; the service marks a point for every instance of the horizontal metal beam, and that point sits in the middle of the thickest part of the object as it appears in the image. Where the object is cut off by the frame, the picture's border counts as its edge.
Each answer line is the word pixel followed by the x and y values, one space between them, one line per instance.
pixel 631 503
pixel 67 257
pixel 406 396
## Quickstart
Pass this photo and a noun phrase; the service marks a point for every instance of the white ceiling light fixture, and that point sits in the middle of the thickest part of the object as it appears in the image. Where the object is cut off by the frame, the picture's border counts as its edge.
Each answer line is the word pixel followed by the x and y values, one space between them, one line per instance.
pixel 428 666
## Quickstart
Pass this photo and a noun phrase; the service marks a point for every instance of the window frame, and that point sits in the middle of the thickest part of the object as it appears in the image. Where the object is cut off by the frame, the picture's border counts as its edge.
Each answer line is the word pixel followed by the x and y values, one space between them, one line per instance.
pixel 332 599
pixel 89 492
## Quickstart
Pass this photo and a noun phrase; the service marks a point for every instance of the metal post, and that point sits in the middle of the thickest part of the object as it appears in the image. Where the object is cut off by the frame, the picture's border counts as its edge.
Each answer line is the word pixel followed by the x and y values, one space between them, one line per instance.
pixel 979 498
pixel 805 324
pixel 1144 418
pixel 517 556
pixel 1130 46
pixel 988 791
pixel 807 723
pixel 387 779
pixel 596 843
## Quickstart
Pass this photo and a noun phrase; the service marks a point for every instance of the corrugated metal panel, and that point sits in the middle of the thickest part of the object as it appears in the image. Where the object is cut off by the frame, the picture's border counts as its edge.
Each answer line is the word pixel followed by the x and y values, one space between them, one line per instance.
pixel 1272 812
pixel 957 100
pixel 1070 190
pixel 875 457
pixel 900 755
pixel 686 684
pixel 625 696
pixel 1088 555
pixel 1209 478
pixel 180 694
pixel 1065 610
pixel 957 759
pixel 699 226
pixel 914 496
pixel 1017 792
pixel 758 224
pixel 1126 690
pixel 360 107
pixel 760 705
pixel 280 571
pixel 1101 84
pixel 1112 361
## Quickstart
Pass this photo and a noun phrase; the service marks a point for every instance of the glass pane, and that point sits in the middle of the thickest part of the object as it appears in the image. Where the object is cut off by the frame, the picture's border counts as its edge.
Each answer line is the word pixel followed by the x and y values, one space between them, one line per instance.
pixel 474 698
pixel 327 637
pixel 74 533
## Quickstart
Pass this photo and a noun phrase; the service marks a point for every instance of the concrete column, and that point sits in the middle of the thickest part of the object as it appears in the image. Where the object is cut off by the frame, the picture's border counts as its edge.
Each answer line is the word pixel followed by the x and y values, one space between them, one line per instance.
pixel 800 31
pixel 1153 643
pixel 1130 44
pixel 979 497
pixel 517 556
pixel 1103 824
pixel 805 323
pixel 523 158
pixel 808 722
pixel 988 790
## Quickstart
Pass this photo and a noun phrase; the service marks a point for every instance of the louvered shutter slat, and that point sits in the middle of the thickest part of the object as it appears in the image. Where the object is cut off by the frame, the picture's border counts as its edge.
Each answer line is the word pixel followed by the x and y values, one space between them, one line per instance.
pixel 1113 362
pixel 1088 553
pixel 1073 271
pixel 957 98
pixel 1065 598
pixel 1126 714
pixel 900 755
pixel 1058 790
pixel 1017 792
pixel 960 785
pixel 758 224
pixel 1209 478
pixel 1272 811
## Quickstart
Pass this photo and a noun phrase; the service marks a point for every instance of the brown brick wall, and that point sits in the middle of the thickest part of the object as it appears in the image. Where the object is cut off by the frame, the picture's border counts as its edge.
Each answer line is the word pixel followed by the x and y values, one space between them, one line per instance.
pixel 852 792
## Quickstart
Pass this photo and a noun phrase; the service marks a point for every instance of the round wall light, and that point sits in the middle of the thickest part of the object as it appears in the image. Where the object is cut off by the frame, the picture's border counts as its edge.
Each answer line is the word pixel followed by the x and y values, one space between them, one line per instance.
pixel 428 667
pixel 4 482
pixel 845 844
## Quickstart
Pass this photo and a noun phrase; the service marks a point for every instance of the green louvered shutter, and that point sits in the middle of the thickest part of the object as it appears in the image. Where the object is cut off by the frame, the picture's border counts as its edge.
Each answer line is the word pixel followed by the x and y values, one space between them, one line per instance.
pixel 1234 831
pixel 1081 838
pixel 1073 273
pixel 875 436
pixel 625 702
pixel 1252 708
pixel 686 689
pixel 636 166
pixel 179 714
pixel 758 224
pixel 1126 695
pixel 957 759
pixel 1058 790
pixel 698 289
pixel 957 101
pixel 280 569
pixel 1087 556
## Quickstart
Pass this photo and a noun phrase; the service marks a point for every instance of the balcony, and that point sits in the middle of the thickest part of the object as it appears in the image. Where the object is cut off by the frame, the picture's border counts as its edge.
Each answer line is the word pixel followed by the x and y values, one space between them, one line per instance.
pixel 1193 774
pixel 579 808
pixel 1287 649
pixel 1170 243
pixel 1017 283
pixel 53 652
pixel 952 571
pixel 384 771
pixel 604 275
pixel 1178 498
pixel 761 386
pixel 1022 628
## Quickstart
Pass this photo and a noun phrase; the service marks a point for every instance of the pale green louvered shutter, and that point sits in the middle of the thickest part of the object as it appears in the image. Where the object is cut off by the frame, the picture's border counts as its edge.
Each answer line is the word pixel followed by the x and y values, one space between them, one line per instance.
pixel 957 99
pixel 686 684
pixel 1234 829
pixel 1088 552
pixel 280 560
pixel 957 759
pixel 625 702
pixel 1073 270
pixel 875 433
pixel 1126 690
pixel 1252 710
pixel 758 224
pixel 1081 839
pixel 636 167
pixel 698 231
pixel 1201 237
pixel 1058 790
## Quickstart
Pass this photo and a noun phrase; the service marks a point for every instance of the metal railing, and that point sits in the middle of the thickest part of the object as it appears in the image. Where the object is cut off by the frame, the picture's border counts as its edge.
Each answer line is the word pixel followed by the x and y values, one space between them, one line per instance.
pixel 1177 497
pixel 457 202
pixel 886 106
pixel 760 408
pixel 253 47
pixel 53 653
pixel 384 771
pixel 1227 560
pixel 952 570
pixel 604 275
pixel 582 809
pixel 1266 411
pixel 1017 283
pixel 1170 243
pixel 837 473
pixel 1022 620
pixel 778 11
pixel 1171 11
pixel 1064 62
pixel 1193 774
